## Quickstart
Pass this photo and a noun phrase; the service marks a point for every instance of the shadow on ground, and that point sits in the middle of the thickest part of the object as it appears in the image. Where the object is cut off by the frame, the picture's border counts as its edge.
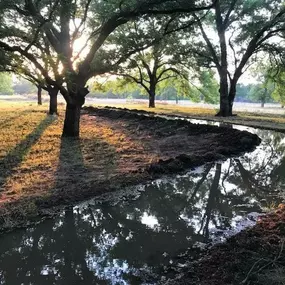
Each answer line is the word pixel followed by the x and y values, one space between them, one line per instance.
pixel 16 156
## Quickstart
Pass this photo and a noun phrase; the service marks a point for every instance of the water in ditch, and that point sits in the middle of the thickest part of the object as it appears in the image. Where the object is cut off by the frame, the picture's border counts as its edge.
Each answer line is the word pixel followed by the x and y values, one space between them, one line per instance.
pixel 130 236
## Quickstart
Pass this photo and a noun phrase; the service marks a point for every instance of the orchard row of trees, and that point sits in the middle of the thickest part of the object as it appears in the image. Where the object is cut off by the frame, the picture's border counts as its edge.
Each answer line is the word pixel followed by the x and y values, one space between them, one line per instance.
pixel 60 45
pixel 172 89
pixel 266 90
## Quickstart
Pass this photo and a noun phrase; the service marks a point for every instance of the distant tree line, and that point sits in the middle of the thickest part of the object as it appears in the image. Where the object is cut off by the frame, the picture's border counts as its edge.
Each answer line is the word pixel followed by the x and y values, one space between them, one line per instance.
pixel 19 86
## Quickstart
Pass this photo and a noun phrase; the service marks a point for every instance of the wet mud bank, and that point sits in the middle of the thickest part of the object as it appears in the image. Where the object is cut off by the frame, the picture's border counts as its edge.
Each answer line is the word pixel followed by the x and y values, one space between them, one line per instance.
pixel 131 149
pixel 254 256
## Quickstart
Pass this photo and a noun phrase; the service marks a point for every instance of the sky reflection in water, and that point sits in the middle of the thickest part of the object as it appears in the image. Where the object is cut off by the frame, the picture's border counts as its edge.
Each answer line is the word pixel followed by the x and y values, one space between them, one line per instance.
pixel 118 244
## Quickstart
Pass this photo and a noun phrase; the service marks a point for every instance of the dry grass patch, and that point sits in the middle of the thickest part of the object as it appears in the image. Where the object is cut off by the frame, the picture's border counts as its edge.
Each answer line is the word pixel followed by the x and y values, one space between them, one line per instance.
pixel 171 109
pixel 38 166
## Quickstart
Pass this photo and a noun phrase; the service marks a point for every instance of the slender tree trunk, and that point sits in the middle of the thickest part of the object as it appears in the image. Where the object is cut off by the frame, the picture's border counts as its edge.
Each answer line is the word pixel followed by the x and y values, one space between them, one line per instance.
pixel 263 98
pixel 53 92
pixel 223 69
pixel 72 120
pixel 40 102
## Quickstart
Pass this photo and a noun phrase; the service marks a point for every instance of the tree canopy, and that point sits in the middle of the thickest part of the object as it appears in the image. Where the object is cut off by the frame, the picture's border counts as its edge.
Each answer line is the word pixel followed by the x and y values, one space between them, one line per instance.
pixel 231 36
pixel 62 44
pixel 63 23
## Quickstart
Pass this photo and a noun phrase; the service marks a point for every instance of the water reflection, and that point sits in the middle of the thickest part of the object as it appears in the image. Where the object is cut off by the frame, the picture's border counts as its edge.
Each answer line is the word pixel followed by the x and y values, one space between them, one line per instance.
pixel 107 244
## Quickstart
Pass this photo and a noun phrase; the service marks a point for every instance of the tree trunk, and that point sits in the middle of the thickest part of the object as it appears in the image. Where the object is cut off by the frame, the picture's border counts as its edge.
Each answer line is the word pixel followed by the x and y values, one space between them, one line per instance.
pixel 40 102
pixel 224 98
pixel 72 120
pixel 232 94
pixel 53 92
pixel 151 93
pixel 151 100
pixel 75 99
pixel 263 98
pixel 223 68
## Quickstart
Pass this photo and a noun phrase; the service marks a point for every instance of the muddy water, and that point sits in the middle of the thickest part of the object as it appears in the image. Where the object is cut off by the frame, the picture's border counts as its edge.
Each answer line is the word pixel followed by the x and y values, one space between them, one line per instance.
pixel 128 237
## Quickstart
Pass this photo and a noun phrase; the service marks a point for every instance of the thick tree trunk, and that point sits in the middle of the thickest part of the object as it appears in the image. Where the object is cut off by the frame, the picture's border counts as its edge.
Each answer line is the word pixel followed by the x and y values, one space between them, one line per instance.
pixel 72 120
pixel 262 104
pixel 151 100
pixel 151 95
pixel 75 100
pixel 224 98
pixel 53 92
pixel 40 102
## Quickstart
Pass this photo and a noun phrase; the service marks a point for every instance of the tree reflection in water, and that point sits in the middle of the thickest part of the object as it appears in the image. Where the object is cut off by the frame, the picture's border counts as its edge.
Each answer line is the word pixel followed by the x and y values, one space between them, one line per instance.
pixel 104 244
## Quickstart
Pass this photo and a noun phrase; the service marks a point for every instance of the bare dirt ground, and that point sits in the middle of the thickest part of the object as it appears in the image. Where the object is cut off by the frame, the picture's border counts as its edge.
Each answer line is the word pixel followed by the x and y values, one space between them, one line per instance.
pixel 40 171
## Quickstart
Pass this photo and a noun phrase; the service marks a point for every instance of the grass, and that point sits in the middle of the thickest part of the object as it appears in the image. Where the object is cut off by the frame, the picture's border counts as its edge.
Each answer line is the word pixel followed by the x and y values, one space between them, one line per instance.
pixel 204 113
pixel 36 163
pixel 37 166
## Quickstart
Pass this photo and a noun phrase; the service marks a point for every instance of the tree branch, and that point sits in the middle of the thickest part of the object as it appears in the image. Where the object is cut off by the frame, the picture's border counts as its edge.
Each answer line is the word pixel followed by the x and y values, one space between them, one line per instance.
pixel 166 70
pixel 82 22
pixel 209 44
pixel 227 17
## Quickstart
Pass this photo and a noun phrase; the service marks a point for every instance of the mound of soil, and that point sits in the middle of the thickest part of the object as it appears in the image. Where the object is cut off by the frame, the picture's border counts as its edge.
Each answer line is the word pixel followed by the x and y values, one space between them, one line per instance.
pixel 253 120
pixel 180 144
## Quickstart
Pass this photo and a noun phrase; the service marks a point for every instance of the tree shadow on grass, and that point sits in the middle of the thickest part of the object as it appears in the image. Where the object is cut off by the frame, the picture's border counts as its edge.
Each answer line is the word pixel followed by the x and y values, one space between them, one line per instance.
pixel 82 163
pixel 17 155
pixel 71 164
